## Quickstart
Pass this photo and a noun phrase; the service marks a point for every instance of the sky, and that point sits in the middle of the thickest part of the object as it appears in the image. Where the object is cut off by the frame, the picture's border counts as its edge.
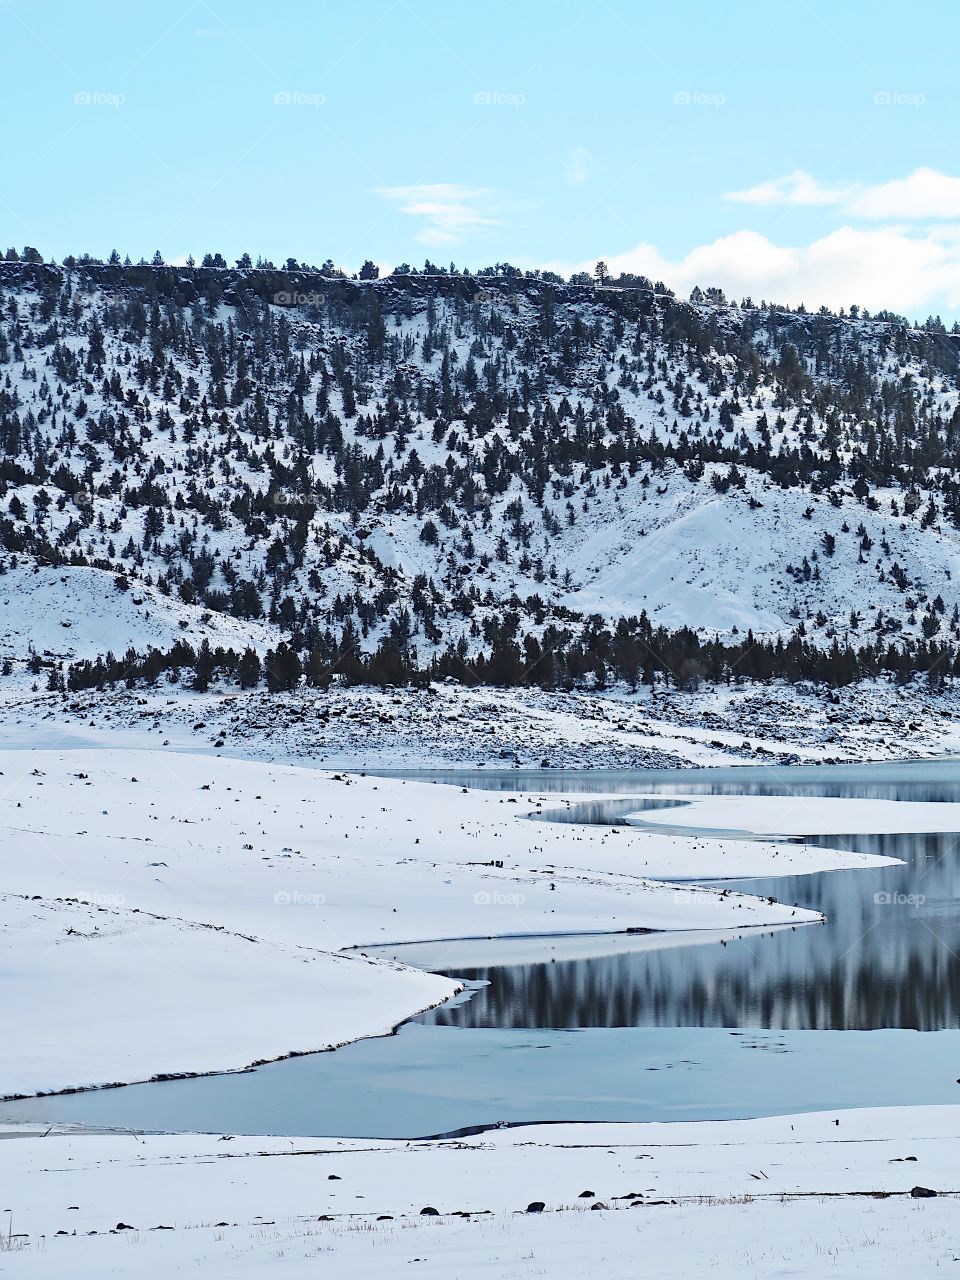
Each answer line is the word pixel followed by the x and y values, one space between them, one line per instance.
pixel 792 151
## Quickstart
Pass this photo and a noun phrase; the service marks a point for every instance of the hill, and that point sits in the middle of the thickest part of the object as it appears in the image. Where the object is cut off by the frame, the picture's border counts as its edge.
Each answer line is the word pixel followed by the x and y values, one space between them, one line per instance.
pixel 486 467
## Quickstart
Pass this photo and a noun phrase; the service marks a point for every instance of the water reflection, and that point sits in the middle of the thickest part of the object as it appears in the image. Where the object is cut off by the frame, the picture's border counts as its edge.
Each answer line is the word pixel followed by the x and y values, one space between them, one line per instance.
pixel 888 956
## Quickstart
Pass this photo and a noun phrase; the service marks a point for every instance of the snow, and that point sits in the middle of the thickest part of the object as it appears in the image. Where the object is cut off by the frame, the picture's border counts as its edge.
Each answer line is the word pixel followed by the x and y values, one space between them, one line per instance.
pixel 482 953
pixel 98 994
pixel 815 1195
pixel 701 565
pixel 690 557
pixel 73 612
pixel 807 815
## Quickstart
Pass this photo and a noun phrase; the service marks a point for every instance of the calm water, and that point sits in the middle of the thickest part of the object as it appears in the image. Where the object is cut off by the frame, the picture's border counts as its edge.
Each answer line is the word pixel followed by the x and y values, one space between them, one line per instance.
pixel 864 1010
pixel 888 957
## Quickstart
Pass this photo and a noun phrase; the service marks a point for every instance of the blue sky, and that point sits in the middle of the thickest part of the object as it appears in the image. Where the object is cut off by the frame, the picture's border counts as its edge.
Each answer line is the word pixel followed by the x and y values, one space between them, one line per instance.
pixel 799 151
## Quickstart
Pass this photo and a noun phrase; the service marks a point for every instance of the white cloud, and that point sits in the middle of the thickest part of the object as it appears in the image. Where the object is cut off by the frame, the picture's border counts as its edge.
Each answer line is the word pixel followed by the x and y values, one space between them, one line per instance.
pixel 923 196
pixel 447 211
pixel 878 268
pixel 797 188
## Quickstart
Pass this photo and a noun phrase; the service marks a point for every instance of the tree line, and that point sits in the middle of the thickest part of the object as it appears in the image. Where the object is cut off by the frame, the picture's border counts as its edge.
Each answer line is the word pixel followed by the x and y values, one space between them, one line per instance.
pixel 631 653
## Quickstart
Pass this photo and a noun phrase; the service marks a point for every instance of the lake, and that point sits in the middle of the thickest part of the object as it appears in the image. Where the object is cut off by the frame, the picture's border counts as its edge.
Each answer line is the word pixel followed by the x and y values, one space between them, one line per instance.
pixel 861 1011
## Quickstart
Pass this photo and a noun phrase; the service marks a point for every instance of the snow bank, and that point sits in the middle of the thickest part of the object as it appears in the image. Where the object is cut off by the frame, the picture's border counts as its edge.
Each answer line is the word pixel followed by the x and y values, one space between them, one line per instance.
pixel 95 994
pixel 807 815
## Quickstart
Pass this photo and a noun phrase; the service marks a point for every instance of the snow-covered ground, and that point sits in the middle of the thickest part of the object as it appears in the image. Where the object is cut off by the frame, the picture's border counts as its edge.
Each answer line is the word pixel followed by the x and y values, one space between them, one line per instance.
pixel 98 994
pixel 802 815
pixel 808 1195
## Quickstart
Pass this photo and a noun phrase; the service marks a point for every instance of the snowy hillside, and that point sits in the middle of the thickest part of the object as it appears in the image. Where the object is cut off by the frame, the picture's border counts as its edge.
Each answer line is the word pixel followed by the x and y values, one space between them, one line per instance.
pixel 453 463
pixel 71 612
pixel 693 558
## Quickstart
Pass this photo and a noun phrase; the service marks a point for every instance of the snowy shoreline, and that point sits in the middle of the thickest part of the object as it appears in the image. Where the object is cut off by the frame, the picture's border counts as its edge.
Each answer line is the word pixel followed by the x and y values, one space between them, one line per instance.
pixel 452 726
pixel 175 914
